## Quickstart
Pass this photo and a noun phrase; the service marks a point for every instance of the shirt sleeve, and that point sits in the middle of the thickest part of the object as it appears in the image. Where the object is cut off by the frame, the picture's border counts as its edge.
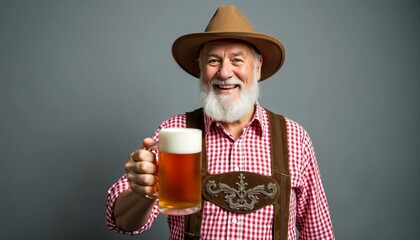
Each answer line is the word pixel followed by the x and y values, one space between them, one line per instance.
pixel 313 219
pixel 113 193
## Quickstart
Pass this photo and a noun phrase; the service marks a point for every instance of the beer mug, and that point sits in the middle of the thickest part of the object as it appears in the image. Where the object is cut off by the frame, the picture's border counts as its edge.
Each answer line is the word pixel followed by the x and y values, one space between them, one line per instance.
pixel 179 172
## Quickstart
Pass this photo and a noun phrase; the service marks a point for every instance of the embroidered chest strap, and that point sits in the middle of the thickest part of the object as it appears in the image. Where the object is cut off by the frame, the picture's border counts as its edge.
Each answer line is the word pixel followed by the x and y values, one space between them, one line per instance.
pixel 241 192
pixel 244 192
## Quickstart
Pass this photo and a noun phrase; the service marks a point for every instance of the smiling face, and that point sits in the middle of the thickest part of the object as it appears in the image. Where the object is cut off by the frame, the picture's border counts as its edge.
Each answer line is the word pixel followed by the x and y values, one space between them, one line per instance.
pixel 230 71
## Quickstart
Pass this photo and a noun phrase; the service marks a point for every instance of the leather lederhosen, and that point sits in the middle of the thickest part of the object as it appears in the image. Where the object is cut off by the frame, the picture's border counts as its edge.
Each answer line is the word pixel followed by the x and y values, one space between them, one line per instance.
pixel 244 192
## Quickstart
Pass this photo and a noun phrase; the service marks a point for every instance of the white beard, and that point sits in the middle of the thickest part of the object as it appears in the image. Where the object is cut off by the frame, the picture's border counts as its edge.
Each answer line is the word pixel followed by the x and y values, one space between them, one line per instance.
pixel 221 108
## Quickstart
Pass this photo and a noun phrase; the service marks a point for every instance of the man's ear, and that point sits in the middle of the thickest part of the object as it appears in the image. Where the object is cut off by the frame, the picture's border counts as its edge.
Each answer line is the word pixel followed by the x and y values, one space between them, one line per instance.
pixel 199 62
pixel 260 62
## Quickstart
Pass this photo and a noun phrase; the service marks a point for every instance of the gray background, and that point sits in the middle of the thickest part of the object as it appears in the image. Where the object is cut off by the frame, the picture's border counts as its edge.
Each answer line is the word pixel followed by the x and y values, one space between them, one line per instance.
pixel 83 82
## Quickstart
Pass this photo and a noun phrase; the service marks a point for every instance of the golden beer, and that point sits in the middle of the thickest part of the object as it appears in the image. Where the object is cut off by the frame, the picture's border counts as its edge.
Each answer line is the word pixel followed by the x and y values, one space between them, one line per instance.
pixel 179 173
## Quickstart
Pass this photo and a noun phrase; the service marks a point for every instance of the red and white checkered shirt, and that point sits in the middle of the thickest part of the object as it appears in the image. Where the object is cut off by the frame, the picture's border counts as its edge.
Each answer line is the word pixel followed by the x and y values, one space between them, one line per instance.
pixel 250 152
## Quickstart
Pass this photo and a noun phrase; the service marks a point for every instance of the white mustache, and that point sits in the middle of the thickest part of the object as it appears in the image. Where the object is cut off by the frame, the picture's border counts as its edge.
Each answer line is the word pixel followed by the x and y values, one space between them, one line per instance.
pixel 230 81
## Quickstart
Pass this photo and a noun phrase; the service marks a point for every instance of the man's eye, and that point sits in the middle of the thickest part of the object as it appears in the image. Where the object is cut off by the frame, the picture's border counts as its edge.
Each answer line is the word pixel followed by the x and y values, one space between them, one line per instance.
pixel 213 61
pixel 237 60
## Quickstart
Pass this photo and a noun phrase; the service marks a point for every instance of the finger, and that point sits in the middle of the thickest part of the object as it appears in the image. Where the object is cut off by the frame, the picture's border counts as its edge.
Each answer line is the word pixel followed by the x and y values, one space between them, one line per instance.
pixel 135 156
pixel 147 156
pixel 147 143
pixel 142 155
pixel 142 190
pixel 145 167
pixel 142 179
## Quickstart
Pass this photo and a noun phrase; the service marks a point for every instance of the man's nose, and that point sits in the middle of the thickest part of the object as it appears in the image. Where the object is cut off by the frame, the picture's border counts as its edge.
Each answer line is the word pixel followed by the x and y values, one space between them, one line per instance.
pixel 225 71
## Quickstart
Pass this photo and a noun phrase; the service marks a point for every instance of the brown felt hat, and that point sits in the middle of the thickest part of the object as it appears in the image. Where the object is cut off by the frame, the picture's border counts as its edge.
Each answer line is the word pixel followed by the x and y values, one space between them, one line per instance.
pixel 229 23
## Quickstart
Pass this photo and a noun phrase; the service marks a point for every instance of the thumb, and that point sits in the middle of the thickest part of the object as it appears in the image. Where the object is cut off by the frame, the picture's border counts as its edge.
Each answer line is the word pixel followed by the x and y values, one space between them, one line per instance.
pixel 148 142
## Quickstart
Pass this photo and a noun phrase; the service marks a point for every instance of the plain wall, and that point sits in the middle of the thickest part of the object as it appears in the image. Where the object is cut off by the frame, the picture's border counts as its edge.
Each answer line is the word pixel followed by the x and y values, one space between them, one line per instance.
pixel 83 82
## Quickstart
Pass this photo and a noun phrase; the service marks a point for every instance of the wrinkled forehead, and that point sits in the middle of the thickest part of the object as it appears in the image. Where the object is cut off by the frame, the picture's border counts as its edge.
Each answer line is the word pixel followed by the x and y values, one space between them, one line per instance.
pixel 232 43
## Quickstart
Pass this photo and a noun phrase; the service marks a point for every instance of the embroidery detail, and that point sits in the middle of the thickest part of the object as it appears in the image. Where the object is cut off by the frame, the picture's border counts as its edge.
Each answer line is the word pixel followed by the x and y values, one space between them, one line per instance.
pixel 241 194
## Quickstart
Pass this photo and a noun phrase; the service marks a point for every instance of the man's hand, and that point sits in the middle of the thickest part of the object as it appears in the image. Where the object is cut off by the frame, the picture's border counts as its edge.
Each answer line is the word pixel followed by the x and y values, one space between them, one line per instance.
pixel 142 170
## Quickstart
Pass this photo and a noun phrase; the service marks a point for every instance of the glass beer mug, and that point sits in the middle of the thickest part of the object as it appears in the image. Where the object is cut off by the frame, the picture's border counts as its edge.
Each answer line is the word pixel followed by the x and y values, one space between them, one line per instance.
pixel 179 172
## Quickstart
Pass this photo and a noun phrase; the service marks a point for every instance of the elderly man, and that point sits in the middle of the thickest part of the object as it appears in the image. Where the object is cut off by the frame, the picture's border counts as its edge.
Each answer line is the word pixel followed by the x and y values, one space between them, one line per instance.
pixel 240 136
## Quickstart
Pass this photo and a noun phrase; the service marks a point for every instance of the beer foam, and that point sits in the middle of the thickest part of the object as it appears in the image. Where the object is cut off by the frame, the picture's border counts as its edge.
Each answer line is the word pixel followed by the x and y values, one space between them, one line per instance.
pixel 180 140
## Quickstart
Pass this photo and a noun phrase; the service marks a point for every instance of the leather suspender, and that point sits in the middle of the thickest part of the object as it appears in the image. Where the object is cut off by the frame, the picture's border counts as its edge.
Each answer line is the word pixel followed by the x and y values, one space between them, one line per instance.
pixel 280 168
pixel 192 223
pixel 280 172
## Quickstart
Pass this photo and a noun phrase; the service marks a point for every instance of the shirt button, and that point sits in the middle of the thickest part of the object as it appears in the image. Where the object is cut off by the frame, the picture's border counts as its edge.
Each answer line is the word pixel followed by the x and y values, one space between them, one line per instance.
pixel 234 221
pixel 236 169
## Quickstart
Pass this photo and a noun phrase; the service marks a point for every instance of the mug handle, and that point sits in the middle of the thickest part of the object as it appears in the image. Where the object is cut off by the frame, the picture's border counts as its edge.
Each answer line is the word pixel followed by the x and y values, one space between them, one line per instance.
pixel 153 149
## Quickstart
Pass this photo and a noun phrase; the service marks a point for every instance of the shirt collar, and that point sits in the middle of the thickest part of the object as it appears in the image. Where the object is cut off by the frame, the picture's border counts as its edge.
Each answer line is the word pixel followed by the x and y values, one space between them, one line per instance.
pixel 258 120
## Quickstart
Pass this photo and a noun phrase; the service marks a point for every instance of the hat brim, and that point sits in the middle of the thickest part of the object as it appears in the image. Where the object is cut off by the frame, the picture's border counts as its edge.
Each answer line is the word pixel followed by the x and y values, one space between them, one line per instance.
pixel 185 50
